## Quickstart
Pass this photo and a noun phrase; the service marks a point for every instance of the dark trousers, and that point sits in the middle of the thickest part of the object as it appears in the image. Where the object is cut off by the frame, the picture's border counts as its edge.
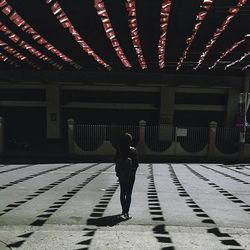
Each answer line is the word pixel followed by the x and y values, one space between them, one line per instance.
pixel 126 188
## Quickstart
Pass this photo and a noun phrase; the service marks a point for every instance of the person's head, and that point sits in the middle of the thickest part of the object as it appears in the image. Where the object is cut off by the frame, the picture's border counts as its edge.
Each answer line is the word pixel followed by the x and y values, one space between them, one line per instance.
pixel 126 140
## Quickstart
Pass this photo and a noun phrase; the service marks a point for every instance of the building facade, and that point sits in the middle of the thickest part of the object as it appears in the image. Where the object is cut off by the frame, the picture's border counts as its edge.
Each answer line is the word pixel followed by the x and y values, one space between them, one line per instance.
pixel 37 111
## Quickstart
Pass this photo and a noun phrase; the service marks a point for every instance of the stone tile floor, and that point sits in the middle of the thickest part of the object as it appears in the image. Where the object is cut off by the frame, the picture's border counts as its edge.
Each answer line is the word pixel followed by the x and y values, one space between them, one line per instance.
pixel 75 206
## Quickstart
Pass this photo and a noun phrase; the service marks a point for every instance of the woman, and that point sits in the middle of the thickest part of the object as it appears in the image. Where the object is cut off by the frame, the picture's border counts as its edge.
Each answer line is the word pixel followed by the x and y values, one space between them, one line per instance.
pixel 126 165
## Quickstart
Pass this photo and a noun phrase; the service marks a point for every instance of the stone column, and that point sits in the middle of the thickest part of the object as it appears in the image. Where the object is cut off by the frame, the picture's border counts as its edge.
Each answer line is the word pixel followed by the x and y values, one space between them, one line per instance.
pixel 232 107
pixel 244 113
pixel 142 126
pixel 141 144
pixel 71 129
pixel 246 91
pixel 53 111
pixel 1 135
pixel 166 113
pixel 212 138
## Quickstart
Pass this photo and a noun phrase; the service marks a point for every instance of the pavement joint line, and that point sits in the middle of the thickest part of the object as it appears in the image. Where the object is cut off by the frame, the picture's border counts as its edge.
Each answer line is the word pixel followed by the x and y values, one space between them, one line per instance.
pixel 43 190
pixel 246 168
pixel 221 190
pixel 230 241
pixel 17 168
pixel 234 170
pixel 31 176
pixel 123 227
pixel 4 245
pixel 226 175
pixel 237 166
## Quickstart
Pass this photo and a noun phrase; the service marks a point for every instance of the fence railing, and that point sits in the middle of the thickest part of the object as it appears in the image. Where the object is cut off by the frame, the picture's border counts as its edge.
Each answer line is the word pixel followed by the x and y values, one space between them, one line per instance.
pixel 160 138
pixel 90 137
pixel 192 139
pixel 227 139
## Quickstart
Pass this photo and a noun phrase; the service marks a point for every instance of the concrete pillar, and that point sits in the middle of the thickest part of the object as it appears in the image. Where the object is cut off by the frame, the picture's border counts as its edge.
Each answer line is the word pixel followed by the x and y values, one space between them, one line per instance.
pixel 232 107
pixel 53 111
pixel 212 138
pixel 246 97
pixel 142 126
pixel 166 113
pixel 246 84
pixel 141 146
pixel 167 105
pixel 71 128
pixel 246 91
pixel 1 135
pixel 245 102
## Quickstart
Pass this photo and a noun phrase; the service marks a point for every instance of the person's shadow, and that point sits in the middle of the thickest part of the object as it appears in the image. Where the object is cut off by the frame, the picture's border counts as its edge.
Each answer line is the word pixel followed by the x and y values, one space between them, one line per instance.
pixel 105 221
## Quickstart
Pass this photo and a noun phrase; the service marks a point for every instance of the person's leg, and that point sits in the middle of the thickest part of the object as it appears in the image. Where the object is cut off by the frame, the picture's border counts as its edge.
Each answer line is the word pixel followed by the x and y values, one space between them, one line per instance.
pixel 129 189
pixel 123 195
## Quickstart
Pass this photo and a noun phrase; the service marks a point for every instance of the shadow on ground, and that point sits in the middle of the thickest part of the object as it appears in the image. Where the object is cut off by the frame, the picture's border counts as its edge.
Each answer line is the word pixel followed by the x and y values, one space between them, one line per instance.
pixel 105 221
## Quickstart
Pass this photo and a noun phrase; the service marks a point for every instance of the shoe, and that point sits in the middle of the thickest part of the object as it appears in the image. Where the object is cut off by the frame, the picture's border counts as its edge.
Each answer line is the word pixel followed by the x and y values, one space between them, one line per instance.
pixel 123 216
pixel 127 216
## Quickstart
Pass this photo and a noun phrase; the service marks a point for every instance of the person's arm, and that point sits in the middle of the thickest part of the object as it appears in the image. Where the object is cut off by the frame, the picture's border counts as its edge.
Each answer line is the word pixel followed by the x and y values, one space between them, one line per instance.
pixel 115 160
pixel 135 161
pixel 116 164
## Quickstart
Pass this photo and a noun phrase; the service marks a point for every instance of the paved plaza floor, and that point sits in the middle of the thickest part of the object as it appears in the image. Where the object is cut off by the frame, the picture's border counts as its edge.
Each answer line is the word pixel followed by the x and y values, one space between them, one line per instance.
pixel 74 206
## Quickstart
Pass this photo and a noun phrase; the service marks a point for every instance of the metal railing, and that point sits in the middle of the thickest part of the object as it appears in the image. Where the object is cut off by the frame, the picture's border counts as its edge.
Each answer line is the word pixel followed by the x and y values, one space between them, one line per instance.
pixel 227 140
pixel 90 137
pixel 157 138
pixel 192 139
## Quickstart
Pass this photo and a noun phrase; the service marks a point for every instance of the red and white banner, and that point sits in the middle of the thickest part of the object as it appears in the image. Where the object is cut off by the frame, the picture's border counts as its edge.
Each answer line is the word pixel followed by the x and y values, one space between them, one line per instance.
pixel 16 19
pixel 21 43
pixel 65 22
pixel 131 8
pixel 6 59
pixel 103 14
pixel 224 54
pixel 165 12
pixel 246 67
pixel 239 60
pixel 206 5
pixel 18 55
pixel 232 13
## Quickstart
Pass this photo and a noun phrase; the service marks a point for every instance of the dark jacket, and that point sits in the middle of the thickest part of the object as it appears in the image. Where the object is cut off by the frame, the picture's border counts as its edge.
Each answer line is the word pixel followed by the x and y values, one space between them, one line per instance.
pixel 126 162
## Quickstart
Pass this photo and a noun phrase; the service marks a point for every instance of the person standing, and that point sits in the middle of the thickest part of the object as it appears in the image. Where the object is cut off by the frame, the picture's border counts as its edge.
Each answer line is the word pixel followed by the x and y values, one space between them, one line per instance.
pixel 126 161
